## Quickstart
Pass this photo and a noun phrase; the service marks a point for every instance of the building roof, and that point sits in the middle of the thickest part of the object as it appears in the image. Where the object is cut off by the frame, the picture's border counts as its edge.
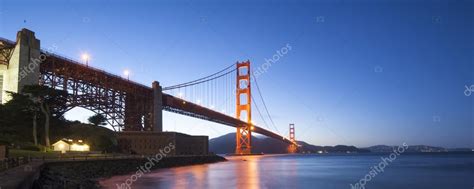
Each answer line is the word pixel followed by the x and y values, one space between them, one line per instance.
pixel 68 141
pixel 63 140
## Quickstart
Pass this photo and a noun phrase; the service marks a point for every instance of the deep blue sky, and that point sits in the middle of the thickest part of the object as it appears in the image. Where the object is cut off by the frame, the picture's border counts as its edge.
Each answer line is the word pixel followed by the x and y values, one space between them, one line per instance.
pixel 360 73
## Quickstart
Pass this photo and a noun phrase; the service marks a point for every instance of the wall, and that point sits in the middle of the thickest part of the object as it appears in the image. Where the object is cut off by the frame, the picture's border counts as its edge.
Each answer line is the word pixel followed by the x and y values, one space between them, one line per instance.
pixel 84 174
pixel 196 145
pixel 153 142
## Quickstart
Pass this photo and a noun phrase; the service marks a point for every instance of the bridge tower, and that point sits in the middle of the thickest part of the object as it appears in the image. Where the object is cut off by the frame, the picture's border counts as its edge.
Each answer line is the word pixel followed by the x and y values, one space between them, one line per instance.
pixel 19 63
pixel 243 109
pixel 292 148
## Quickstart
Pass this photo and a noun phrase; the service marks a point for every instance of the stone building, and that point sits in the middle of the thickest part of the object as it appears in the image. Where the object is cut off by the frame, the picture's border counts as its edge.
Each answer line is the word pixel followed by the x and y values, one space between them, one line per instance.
pixel 149 143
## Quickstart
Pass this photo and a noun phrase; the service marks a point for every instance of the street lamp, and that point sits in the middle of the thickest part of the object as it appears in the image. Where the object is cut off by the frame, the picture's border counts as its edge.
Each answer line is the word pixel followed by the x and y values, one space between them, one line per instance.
pixel 127 74
pixel 85 57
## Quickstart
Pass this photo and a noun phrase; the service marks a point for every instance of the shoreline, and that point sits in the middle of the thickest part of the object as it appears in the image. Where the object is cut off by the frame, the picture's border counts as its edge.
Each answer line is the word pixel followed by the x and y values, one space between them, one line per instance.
pixel 87 174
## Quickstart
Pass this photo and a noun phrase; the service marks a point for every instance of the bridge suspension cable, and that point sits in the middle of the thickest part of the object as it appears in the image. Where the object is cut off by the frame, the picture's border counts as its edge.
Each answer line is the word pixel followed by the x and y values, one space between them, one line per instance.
pixel 228 92
pixel 203 79
pixel 198 82
pixel 260 113
pixel 264 104
pixel 215 91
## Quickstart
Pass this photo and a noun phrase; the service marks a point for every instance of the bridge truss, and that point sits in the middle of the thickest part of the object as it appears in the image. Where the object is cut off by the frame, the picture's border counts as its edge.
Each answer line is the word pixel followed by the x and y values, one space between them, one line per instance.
pixel 126 105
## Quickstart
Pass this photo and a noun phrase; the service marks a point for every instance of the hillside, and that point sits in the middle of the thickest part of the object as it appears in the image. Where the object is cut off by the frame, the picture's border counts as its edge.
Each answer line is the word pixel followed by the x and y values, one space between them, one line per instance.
pixel 226 144
pixel 415 148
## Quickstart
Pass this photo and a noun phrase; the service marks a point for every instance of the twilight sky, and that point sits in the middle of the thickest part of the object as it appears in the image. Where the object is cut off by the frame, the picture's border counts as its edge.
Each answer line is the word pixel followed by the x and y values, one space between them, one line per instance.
pixel 358 73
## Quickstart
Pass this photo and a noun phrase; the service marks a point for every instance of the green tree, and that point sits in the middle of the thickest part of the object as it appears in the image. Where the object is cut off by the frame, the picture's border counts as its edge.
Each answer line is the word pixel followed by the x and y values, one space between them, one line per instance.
pixel 43 98
pixel 97 120
pixel 21 105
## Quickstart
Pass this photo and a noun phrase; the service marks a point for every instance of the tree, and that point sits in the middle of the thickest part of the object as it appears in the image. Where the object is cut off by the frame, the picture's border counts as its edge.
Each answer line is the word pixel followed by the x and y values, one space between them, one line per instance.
pixel 8 128
pixel 44 98
pixel 23 103
pixel 97 120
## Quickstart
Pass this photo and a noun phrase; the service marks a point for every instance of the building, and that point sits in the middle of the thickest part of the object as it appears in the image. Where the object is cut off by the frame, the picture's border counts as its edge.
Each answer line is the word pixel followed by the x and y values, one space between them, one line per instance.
pixel 148 143
pixel 65 145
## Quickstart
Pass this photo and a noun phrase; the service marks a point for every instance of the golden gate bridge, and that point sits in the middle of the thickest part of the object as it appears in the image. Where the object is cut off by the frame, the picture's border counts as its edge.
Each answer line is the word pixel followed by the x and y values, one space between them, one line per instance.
pixel 223 97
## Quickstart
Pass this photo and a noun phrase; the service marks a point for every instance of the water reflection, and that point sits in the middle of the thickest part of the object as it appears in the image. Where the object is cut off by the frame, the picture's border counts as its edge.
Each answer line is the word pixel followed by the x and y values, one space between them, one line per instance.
pixel 184 177
pixel 247 173
pixel 311 171
pixel 238 172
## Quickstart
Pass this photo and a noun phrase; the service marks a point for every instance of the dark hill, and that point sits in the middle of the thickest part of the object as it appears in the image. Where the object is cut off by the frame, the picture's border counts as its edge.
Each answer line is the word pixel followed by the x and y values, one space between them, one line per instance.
pixel 226 144
pixel 415 148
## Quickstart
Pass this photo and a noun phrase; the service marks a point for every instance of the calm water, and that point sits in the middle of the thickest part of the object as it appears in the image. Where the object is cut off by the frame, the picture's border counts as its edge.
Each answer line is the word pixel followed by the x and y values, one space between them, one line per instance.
pixel 452 171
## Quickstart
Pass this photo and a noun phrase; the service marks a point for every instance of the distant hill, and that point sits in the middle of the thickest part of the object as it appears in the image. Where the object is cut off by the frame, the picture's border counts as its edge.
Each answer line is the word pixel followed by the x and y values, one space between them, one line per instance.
pixel 415 148
pixel 226 144
pixel 309 148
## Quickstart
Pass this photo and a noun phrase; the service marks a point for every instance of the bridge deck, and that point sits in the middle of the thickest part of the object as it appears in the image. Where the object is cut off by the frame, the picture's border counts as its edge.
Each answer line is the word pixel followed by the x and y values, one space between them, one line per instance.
pixel 180 106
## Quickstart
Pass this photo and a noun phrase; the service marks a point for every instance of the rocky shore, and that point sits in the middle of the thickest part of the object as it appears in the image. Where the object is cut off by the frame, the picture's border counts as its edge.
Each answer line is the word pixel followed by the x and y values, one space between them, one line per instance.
pixel 85 174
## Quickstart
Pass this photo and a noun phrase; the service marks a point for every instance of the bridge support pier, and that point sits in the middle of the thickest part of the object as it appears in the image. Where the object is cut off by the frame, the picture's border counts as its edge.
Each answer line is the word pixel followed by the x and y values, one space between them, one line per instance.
pixel 157 107
pixel 19 64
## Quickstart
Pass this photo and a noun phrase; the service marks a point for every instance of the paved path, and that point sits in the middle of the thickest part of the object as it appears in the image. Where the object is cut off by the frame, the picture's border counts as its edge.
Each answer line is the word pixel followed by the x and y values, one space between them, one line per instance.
pixel 21 176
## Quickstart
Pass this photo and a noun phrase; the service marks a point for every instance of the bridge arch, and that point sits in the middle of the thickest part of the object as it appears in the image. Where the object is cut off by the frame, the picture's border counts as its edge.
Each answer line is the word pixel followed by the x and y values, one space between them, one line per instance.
pixel 111 120
pixel 125 104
